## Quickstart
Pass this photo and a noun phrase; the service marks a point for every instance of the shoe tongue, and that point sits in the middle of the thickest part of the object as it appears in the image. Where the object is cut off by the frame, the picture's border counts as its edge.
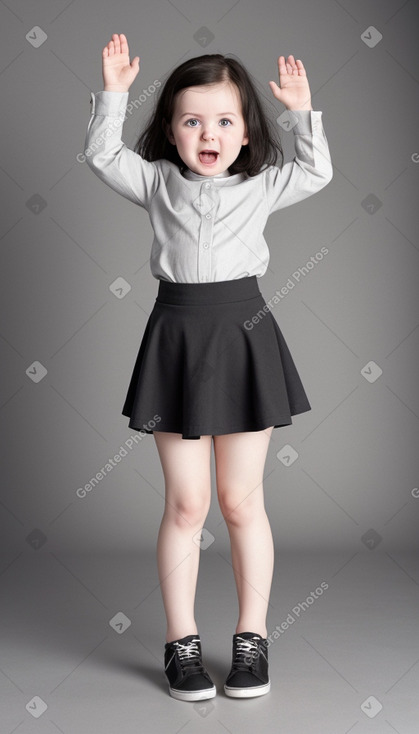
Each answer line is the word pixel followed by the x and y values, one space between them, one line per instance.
pixel 248 635
pixel 189 638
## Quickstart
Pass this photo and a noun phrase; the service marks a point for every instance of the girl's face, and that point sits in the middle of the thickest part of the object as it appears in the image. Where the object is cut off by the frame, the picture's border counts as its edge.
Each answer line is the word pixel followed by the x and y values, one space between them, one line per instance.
pixel 208 117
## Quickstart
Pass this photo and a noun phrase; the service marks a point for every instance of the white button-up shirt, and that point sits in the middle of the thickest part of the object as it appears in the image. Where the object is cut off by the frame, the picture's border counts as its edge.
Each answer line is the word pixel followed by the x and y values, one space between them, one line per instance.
pixel 206 228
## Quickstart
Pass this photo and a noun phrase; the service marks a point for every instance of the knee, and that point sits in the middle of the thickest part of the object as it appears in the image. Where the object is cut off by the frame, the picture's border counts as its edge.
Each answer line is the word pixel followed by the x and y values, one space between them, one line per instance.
pixel 237 510
pixel 189 508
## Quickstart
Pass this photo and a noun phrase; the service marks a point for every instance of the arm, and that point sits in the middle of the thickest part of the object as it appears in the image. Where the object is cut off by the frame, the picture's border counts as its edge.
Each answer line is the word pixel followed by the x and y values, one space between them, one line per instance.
pixel 311 169
pixel 107 155
pixel 110 159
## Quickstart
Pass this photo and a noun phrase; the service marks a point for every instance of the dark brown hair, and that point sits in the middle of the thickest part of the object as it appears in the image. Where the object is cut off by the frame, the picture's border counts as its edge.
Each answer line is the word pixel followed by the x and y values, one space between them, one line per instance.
pixel 263 145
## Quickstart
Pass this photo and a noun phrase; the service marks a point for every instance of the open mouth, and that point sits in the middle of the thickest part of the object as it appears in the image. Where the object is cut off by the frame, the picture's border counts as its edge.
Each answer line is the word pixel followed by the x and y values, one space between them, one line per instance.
pixel 208 157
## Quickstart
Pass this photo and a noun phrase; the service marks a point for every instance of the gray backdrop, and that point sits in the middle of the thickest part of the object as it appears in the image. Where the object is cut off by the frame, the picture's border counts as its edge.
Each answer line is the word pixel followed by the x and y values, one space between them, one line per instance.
pixel 82 620
pixel 351 319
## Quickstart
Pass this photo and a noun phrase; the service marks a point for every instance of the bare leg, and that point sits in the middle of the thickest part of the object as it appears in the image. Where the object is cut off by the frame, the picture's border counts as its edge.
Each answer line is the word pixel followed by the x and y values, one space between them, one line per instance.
pixel 186 469
pixel 240 460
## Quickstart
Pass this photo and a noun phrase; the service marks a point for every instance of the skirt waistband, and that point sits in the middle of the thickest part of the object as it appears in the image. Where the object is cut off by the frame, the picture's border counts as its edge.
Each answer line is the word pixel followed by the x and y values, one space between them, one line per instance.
pixel 221 291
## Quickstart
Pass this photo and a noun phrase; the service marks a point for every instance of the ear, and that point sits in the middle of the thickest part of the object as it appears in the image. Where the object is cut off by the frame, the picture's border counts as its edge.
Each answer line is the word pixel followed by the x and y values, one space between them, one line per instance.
pixel 245 140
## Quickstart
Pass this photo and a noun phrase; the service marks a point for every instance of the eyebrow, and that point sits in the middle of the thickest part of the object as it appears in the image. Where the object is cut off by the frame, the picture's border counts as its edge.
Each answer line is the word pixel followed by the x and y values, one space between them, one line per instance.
pixel 220 114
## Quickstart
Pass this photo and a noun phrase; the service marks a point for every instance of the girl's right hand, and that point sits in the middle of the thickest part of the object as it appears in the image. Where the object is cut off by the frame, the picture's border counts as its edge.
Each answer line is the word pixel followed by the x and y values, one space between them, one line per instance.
pixel 118 73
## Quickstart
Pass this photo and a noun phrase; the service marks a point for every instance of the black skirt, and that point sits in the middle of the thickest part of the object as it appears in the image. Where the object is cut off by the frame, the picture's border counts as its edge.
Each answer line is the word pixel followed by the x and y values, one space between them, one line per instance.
pixel 213 360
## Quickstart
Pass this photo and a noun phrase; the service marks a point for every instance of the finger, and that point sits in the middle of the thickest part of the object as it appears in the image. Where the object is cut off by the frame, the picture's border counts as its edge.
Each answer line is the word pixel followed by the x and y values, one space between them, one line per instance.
pixel 301 69
pixel 281 65
pixel 276 91
pixel 282 69
pixel 116 43
pixel 286 65
pixel 124 44
pixel 292 65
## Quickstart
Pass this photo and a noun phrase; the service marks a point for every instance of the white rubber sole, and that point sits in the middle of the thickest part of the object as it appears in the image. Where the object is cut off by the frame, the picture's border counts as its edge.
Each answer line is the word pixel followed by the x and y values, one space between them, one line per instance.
pixel 249 692
pixel 193 695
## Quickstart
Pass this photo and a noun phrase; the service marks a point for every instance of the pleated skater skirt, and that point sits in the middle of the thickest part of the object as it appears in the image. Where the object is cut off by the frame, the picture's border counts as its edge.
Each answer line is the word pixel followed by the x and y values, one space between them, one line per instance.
pixel 212 360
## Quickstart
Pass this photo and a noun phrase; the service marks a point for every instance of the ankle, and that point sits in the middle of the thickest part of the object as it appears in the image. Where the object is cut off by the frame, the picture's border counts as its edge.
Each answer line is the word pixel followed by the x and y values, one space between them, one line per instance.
pixel 178 633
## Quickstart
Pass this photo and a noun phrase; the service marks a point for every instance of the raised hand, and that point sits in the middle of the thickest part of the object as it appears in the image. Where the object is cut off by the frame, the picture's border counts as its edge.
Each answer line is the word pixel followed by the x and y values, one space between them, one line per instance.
pixel 118 73
pixel 294 91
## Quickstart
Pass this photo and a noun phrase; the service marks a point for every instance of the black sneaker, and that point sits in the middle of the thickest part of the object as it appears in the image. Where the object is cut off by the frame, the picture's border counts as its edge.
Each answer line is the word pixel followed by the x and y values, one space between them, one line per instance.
pixel 249 670
pixel 188 679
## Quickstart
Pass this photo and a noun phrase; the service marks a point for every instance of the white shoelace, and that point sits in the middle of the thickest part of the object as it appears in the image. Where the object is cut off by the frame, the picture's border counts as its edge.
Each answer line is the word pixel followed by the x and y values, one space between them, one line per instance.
pixel 188 651
pixel 248 649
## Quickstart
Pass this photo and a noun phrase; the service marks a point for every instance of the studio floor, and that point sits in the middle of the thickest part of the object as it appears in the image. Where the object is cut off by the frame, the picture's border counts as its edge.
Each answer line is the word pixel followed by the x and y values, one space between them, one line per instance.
pixel 82 645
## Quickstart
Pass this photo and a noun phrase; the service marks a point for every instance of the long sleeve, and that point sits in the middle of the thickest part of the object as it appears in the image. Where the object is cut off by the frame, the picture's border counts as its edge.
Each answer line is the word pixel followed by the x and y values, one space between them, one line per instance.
pixel 309 171
pixel 206 229
pixel 107 155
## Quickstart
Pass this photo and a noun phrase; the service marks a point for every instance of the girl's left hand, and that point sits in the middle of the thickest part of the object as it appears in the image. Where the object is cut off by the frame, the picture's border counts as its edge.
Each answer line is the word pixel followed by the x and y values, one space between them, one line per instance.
pixel 294 91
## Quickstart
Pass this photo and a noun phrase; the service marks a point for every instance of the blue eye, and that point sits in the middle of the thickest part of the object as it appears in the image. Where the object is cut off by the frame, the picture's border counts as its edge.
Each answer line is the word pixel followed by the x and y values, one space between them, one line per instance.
pixel 193 119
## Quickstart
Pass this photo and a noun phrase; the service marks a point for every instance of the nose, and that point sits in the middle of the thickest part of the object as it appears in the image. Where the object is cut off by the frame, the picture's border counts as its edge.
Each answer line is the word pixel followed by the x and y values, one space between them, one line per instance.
pixel 207 134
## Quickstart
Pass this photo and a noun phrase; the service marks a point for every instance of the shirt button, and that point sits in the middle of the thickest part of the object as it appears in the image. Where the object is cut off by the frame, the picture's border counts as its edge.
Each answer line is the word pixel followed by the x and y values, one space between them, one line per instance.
pixel 208 216
pixel 207 185
pixel 206 245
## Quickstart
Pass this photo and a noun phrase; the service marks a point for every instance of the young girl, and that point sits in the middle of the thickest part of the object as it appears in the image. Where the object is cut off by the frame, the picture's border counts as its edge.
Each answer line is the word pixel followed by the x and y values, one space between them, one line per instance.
pixel 213 363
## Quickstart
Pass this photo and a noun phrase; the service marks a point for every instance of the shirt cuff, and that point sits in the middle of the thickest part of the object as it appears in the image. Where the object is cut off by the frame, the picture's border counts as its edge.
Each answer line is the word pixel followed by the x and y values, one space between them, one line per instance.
pixel 108 104
pixel 308 121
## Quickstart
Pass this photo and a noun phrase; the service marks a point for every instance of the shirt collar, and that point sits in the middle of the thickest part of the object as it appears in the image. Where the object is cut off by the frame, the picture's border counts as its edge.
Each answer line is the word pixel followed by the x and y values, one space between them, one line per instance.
pixel 192 176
